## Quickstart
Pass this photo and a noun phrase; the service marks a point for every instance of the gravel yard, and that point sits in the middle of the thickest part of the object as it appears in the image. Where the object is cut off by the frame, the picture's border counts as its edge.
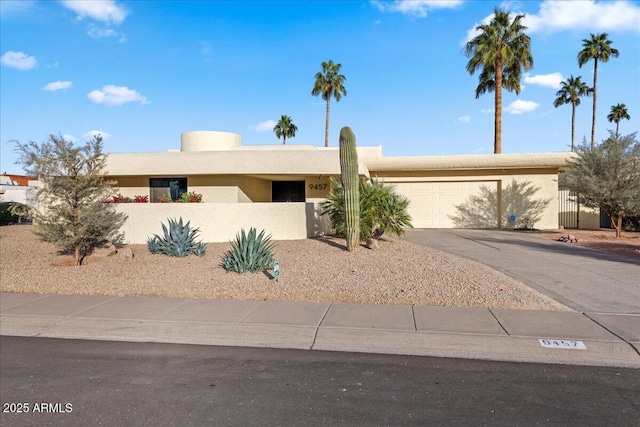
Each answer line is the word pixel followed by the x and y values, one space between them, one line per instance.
pixel 311 270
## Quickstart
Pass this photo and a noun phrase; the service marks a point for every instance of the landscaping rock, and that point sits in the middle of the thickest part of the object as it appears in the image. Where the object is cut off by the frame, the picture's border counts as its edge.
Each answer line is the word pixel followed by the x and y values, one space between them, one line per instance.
pixel 373 244
pixel 569 239
pixel 127 253
pixel 105 251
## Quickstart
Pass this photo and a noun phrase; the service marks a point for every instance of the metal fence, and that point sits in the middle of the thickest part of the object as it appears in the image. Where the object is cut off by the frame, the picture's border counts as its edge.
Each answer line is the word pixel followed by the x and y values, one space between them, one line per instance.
pixel 568 209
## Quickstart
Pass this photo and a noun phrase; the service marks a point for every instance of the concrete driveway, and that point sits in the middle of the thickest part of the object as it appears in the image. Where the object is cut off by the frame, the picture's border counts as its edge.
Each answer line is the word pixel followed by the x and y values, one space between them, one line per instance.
pixel 583 279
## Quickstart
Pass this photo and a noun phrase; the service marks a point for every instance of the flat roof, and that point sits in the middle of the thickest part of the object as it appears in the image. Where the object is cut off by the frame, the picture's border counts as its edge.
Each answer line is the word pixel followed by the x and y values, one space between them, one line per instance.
pixel 469 162
pixel 287 161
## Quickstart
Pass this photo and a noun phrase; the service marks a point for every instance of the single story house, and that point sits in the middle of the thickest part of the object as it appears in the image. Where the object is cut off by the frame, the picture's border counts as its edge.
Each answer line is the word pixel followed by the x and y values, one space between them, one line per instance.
pixel 16 188
pixel 278 187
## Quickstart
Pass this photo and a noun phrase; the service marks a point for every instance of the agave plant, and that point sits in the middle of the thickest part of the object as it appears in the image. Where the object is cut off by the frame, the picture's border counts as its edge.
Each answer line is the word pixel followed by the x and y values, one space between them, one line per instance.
pixel 178 240
pixel 249 252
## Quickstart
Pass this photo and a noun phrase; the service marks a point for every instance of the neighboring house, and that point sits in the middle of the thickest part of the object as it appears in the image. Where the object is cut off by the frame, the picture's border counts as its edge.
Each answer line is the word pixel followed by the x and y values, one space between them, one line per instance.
pixel 245 186
pixel 15 188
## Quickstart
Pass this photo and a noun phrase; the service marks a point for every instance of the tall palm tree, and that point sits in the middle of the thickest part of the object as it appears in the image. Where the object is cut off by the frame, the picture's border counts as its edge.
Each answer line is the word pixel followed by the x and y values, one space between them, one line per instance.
pixel 285 128
pixel 329 82
pixel 618 112
pixel 502 50
pixel 598 48
pixel 570 93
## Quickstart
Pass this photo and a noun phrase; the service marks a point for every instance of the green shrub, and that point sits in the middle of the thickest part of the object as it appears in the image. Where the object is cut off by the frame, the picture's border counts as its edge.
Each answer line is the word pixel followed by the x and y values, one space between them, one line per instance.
pixel 191 197
pixel 249 252
pixel 382 210
pixel 178 240
pixel 7 213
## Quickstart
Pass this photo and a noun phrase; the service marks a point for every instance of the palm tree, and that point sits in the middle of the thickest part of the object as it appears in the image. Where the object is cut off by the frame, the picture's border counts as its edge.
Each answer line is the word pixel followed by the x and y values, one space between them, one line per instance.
pixel 329 82
pixel 502 50
pixel 618 112
pixel 570 93
pixel 597 48
pixel 285 128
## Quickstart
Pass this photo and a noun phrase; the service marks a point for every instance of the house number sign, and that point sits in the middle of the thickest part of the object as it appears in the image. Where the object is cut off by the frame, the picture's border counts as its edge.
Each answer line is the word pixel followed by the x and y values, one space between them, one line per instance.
pixel 575 345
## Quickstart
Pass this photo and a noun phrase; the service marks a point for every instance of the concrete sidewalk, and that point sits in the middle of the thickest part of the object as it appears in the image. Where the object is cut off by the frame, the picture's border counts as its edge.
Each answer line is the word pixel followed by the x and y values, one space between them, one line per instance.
pixel 491 334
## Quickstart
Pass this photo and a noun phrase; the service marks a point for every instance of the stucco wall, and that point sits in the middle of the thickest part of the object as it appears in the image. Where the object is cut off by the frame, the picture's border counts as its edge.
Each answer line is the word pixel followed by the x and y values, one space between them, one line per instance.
pixel 219 222
pixel 589 218
pixel 229 188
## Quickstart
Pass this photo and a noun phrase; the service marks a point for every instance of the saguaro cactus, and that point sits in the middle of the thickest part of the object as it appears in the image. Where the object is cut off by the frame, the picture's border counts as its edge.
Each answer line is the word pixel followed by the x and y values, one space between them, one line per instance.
pixel 350 187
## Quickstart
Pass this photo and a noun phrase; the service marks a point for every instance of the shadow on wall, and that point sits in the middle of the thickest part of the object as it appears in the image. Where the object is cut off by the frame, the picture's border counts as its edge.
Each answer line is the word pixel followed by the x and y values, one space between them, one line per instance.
pixel 317 224
pixel 481 211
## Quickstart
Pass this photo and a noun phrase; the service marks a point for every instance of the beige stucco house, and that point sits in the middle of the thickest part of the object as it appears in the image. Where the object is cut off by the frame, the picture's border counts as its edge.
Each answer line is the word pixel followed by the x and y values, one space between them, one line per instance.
pixel 279 187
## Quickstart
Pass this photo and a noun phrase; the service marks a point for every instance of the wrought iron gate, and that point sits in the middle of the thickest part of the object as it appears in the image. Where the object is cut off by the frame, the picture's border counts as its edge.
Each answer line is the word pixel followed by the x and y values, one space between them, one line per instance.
pixel 568 209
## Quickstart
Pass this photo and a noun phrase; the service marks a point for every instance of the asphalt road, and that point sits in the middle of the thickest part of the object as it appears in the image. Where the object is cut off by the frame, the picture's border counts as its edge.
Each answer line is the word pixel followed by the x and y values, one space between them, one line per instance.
pixel 583 279
pixel 119 383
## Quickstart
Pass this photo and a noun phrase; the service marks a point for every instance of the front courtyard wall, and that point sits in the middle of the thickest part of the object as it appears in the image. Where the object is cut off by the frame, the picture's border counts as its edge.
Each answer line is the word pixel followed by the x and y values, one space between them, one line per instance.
pixel 219 222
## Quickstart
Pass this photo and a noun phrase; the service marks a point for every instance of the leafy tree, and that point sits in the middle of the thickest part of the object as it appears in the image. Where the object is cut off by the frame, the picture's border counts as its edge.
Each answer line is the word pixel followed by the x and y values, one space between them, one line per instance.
pixel 285 128
pixel 570 93
pixel 329 82
pixel 501 50
pixel 382 210
pixel 607 177
pixel 598 48
pixel 70 210
pixel 618 112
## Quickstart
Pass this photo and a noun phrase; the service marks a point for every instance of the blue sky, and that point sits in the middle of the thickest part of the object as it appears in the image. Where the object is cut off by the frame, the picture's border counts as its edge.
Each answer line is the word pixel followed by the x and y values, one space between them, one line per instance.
pixel 142 72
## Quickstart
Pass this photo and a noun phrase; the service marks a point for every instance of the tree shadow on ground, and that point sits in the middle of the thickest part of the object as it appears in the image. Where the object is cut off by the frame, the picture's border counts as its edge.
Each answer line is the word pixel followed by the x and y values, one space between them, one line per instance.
pixel 520 209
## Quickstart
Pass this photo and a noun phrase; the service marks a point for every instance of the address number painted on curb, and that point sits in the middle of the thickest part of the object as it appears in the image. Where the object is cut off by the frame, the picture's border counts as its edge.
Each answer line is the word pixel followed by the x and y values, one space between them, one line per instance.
pixel 576 345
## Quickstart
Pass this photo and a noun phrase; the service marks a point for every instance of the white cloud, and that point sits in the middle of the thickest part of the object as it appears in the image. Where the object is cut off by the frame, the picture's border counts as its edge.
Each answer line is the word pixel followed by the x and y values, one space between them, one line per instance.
pixel 519 107
pixel 89 135
pixel 552 80
pixel 59 85
pixel 116 95
pixel 107 11
pixel 264 126
pixel 417 8
pixel 18 60
pixel 69 138
pixel 100 33
pixel 487 110
pixel 11 7
pixel 472 32
pixel 586 15
pixel 464 119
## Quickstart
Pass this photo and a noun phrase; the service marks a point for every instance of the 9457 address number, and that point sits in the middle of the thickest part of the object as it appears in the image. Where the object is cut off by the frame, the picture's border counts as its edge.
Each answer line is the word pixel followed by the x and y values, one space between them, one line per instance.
pixel 317 186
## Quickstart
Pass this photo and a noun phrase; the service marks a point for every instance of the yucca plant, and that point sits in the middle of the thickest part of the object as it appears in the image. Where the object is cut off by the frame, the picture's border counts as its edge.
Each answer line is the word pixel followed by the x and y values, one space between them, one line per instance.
pixel 250 252
pixel 178 240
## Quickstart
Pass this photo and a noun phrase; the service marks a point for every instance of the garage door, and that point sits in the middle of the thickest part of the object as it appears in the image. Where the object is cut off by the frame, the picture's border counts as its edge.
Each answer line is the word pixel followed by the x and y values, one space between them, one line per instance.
pixel 451 204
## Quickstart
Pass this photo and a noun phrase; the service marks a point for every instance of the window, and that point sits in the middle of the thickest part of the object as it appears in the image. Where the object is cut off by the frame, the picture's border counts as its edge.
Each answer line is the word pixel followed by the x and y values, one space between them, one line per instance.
pixel 287 191
pixel 163 186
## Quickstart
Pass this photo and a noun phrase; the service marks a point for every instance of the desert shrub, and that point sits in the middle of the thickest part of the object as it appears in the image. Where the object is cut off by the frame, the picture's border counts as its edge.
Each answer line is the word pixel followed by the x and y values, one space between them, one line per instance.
pixel 178 240
pixel 8 215
pixel 250 252
pixel 191 197
pixel 382 210
pixel 632 223
pixel 69 207
pixel 119 198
